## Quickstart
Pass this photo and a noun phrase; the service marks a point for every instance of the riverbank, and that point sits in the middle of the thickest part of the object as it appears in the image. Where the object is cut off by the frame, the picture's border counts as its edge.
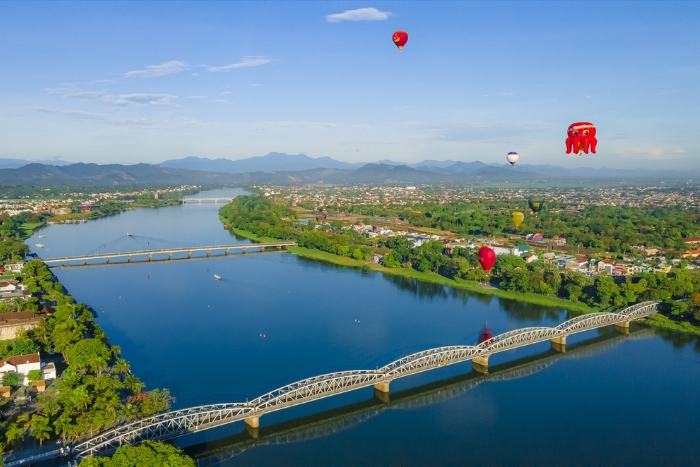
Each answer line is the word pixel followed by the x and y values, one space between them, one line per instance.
pixel 438 279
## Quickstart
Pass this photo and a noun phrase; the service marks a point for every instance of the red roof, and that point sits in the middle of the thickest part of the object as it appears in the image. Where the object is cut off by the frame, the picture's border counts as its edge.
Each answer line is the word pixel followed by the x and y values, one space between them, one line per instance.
pixel 22 359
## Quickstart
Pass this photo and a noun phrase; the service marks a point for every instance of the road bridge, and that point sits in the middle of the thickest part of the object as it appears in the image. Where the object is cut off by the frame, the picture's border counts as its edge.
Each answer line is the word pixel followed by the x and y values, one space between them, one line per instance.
pixel 164 254
pixel 184 421
pixel 206 200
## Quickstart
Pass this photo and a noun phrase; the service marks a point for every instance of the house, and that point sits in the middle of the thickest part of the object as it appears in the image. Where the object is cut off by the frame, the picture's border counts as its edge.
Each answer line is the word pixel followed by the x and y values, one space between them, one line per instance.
pixel 499 250
pixel 691 253
pixel 378 259
pixel 7 286
pixel 87 207
pixel 619 269
pixel 531 259
pixel 606 265
pixel 62 211
pixel 49 370
pixel 691 240
pixel 12 324
pixel 14 267
pixel 663 267
pixel 21 364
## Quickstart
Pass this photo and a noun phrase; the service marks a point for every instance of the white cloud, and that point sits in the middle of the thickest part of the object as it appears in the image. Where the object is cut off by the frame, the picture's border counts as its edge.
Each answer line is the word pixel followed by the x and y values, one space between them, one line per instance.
pixel 165 68
pixel 156 99
pixel 361 14
pixel 226 92
pixel 110 100
pixel 244 63
pixel 195 97
pixel 164 121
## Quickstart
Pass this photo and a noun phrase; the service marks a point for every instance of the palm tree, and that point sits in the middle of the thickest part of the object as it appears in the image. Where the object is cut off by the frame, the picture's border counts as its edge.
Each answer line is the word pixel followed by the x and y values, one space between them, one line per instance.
pixel 116 350
pixel 14 434
pixel 62 426
pixel 41 429
pixel 122 367
pixel 133 384
pixel 128 412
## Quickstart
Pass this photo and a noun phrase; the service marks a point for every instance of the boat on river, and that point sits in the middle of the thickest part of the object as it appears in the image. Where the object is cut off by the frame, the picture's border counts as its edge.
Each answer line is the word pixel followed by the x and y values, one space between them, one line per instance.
pixel 39 245
pixel 42 236
pixel 217 277
pixel 128 234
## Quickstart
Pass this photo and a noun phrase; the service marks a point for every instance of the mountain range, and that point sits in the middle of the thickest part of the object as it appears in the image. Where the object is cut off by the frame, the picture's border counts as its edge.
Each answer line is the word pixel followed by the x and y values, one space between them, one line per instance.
pixel 283 169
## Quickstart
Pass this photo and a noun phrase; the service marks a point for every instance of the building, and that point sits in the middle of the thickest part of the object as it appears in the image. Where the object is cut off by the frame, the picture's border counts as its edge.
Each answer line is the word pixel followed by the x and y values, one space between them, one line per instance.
pixel 62 211
pixel 11 324
pixel 14 267
pixel 87 207
pixel 8 286
pixel 691 240
pixel 606 265
pixel 21 364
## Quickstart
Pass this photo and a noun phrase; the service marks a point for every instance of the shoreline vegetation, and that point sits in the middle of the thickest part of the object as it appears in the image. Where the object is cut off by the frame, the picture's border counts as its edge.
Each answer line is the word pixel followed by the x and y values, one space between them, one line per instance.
pixel 435 278
pixel 263 221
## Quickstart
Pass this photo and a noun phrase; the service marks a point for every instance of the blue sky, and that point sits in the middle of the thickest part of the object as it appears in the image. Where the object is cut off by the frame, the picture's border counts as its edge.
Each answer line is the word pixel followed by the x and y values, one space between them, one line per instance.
pixel 128 82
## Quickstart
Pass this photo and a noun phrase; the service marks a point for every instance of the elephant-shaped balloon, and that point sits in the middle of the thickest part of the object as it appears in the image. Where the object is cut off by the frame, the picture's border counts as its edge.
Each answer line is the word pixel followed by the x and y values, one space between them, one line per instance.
pixel 581 138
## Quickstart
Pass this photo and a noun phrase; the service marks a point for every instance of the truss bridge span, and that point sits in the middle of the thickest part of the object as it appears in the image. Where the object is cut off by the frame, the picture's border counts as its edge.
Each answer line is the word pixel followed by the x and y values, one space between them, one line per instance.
pixel 181 422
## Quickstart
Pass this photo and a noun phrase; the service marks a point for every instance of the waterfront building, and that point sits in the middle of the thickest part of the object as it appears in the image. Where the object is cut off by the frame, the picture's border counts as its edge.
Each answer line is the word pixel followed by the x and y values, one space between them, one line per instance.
pixel 12 324
pixel 21 364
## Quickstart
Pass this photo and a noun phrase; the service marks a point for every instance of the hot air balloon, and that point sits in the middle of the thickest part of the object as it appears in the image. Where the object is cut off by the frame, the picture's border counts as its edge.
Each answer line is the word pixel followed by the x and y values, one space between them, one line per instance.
pixel 487 258
pixel 400 38
pixel 581 138
pixel 512 157
pixel 536 203
pixel 486 334
pixel 518 218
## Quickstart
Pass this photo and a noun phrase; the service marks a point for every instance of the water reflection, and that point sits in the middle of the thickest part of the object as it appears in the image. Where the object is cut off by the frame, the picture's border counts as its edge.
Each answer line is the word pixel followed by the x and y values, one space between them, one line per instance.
pixel 337 420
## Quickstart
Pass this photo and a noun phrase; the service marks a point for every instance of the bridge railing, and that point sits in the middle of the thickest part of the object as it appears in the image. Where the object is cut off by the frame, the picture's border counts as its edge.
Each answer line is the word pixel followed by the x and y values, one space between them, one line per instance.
pixel 179 422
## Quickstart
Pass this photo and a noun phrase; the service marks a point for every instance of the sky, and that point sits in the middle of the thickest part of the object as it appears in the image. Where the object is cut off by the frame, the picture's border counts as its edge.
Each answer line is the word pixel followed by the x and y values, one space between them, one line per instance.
pixel 130 82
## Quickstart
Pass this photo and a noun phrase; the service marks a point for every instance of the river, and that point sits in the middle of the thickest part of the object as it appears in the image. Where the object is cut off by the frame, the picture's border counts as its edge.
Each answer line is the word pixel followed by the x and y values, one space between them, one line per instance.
pixel 275 318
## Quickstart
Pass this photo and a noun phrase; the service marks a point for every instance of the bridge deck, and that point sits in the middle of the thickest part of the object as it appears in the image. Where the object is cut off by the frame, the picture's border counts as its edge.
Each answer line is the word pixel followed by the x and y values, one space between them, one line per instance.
pixel 169 251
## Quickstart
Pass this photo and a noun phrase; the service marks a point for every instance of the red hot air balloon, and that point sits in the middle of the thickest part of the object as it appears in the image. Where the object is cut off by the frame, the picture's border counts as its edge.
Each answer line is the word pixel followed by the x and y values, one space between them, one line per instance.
pixel 400 38
pixel 581 138
pixel 487 258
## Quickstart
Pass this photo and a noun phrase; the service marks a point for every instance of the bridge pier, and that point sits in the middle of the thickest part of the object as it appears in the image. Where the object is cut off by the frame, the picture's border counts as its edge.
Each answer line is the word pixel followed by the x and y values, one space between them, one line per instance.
pixel 85 262
pixel 480 364
pixel 189 255
pixel 63 263
pixel 107 259
pixel 382 387
pixel 381 395
pixel 128 258
pixel 623 327
pixel 245 250
pixel 208 253
pixel 559 344
pixel 170 255
pixel 226 251
pixel 253 432
pixel 253 422
pixel 150 257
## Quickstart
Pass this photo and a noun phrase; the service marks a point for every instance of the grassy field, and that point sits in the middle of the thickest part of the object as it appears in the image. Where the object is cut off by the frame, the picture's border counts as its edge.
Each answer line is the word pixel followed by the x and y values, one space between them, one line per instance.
pixel 438 279
pixel 28 228
pixel 249 235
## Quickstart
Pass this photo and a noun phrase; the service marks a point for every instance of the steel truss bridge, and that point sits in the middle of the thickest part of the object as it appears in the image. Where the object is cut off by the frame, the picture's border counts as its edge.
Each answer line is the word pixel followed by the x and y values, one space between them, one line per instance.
pixel 337 420
pixel 166 254
pixel 181 422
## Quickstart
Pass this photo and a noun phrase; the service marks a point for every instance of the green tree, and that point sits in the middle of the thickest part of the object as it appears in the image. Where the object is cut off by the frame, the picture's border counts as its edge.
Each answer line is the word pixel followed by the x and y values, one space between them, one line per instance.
pixel 35 375
pixel 149 453
pixel 41 429
pixel 11 379
pixel 89 354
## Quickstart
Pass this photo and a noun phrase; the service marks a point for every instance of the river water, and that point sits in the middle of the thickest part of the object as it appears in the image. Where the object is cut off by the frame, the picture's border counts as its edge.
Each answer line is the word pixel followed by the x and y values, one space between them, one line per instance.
pixel 275 318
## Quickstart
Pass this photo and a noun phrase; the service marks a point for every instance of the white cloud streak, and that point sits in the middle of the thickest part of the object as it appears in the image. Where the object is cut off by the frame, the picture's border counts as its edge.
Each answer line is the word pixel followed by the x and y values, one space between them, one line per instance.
pixel 361 14
pixel 110 100
pixel 165 68
pixel 244 63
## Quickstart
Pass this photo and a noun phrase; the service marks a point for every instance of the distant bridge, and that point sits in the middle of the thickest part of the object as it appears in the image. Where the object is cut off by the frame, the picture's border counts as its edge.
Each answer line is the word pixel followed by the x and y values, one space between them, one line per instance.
pixel 166 254
pixel 206 200
pixel 181 422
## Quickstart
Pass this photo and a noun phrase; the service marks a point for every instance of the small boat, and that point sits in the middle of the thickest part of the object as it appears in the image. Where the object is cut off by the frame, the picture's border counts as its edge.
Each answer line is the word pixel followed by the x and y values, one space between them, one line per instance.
pixel 39 245
pixel 128 234
pixel 217 277
pixel 42 236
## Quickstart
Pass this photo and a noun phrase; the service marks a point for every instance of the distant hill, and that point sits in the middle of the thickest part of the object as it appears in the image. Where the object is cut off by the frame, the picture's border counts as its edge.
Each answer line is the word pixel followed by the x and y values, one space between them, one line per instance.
pixel 106 175
pixel 272 162
pixel 369 174
pixel 16 163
